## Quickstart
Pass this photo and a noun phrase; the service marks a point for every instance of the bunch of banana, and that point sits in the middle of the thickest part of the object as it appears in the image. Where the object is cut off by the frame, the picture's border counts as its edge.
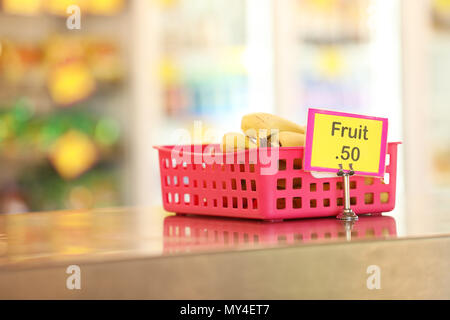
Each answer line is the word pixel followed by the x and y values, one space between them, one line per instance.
pixel 264 129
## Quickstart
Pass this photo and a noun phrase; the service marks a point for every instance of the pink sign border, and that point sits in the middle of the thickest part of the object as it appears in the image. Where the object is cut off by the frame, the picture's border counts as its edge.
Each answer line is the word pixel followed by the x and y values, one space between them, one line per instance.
pixel 310 132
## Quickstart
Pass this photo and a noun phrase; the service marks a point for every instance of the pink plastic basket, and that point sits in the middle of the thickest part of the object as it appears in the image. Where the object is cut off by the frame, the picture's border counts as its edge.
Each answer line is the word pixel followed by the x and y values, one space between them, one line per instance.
pixel 240 190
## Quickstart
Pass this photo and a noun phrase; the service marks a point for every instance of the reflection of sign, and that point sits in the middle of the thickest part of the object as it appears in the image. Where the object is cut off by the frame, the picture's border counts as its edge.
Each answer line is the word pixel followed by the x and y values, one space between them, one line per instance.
pixel 335 139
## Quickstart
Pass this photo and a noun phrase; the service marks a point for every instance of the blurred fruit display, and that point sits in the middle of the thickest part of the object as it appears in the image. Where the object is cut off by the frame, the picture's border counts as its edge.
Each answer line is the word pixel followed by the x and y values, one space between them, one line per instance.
pixel 70 82
pixel 60 142
pixel 441 13
pixel 64 159
pixel 66 69
pixel 59 7
pixel 25 7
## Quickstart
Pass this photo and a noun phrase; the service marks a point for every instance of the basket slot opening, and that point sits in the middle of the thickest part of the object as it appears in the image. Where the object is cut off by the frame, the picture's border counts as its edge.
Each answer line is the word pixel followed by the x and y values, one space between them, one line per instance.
pixel 186 180
pixel 296 203
pixel 282 164
pixel 339 185
pixel 242 167
pixel 169 197
pixel 255 238
pixel 235 202
pixel 255 203
pixel 353 184
pixel 195 200
pixel 167 181
pixel 313 203
pixel 340 202
pixel 281 184
pixel 384 197
pixel 205 202
pixel 368 198
pixel 175 181
pixel 253 185
pixel 297 183
pixel 233 184
pixel 326 202
pixel 281 203
pixel 252 167
pixel 187 198
pixel 353 201
pixel 297 164
pixel 313 187
pixel 215 202
pixel 204 184
pixel 326 186
pixel 244 203
pixel 224 185
pixel 224 202
pixel 298 237
pixel 243 185
pixel 214 184
pixel 176 198
pixel 195 183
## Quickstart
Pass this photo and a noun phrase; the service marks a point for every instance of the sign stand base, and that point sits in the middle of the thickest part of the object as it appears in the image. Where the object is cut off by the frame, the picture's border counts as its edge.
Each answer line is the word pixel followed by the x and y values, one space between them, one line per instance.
pixel 347 214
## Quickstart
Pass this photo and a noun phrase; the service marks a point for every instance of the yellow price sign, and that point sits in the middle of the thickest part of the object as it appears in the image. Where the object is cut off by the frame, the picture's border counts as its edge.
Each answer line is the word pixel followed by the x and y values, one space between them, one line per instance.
pixel 336 140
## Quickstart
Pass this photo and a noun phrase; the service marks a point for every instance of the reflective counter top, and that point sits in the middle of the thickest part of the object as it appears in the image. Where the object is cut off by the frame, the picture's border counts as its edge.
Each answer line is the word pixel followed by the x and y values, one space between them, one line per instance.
pixel 47 242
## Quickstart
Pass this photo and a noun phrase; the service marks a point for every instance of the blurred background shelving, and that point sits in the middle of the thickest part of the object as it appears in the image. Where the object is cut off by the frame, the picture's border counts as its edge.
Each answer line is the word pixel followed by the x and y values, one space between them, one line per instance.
pixel 63 96
pixel 440 92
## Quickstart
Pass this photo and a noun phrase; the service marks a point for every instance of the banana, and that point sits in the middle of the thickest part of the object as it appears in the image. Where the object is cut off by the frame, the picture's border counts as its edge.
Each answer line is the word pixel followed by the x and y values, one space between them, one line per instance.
pixel 234 141
pixel 252 123
pixel 291 139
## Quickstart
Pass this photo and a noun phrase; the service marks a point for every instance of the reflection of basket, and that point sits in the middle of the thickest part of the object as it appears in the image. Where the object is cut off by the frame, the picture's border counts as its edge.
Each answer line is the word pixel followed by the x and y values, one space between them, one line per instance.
pixel 203 233
pixel 240 190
